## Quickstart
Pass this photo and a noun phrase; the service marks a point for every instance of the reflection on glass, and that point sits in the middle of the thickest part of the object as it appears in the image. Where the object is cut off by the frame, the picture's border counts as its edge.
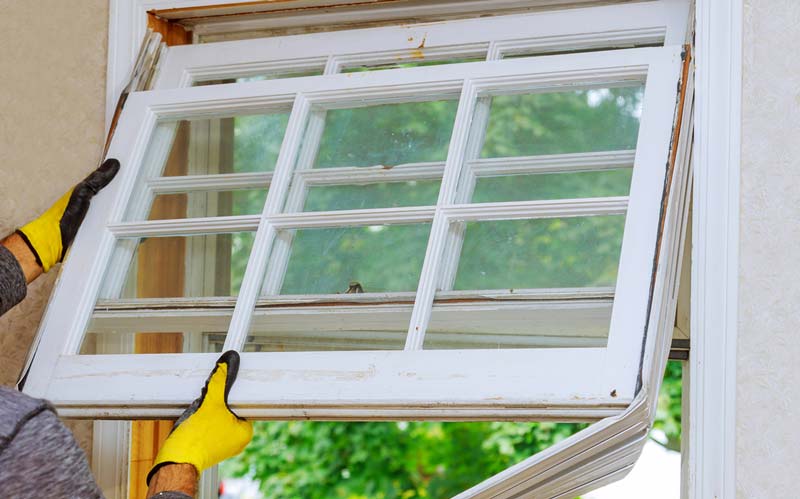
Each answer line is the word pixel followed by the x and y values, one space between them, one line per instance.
pixel 386 135
pixel 380 195
pixel 106 338
pixel 548 324
pixel 238 144
pixel 369 259
pixel 307 331
pixel 553 186
pixel 601 119
pixel 257 141
pixel 541 253
pixel 207 204
pixel 178 266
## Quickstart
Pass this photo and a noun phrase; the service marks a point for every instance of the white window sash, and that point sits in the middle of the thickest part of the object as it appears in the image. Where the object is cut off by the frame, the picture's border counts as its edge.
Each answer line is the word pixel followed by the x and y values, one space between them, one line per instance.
pixel 652 23
pixel 459 384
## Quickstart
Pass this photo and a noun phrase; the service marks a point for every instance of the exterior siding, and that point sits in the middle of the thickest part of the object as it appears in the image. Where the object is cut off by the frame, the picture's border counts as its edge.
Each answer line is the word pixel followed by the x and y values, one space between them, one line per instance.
pixel 53 64
pixel 768 392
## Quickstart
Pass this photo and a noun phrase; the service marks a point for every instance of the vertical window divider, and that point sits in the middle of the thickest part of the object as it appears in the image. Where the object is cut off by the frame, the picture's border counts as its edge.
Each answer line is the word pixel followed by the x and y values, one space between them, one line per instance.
pixel 140 202
pixel 426 290
pixel 467 179
pixel 279 257
pixel 265 235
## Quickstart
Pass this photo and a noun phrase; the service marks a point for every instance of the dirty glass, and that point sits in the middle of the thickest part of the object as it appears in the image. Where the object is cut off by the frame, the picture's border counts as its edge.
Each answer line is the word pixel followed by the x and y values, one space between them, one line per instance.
pixel 178 266
pixel 371 259
pixel 540 253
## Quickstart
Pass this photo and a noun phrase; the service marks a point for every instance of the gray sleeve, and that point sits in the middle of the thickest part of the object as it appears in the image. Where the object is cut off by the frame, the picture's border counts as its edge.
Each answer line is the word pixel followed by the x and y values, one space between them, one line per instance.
pixel 12 281
pixel 43 460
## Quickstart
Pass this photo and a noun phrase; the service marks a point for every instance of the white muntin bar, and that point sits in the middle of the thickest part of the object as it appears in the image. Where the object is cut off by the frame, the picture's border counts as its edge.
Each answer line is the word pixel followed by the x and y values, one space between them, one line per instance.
pixel 447 192
pixel 220 182
pixel 555 163
pixel 512 210
pixel 279 257
pixel 518 210
pixel 360 175
pixel 256 264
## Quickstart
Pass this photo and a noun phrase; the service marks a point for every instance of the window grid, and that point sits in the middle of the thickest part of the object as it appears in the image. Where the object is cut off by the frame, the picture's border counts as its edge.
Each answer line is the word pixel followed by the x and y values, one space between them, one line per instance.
pixel 294 173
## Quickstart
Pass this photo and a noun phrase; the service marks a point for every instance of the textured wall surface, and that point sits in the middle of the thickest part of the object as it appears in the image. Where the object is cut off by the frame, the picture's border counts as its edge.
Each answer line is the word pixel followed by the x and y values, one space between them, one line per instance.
pixel 768 366
pixel 52 90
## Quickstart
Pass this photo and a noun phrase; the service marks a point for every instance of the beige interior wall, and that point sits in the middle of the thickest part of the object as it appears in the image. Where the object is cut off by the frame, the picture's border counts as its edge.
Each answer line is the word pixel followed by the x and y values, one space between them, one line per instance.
pixel 52 91
pixel 768 365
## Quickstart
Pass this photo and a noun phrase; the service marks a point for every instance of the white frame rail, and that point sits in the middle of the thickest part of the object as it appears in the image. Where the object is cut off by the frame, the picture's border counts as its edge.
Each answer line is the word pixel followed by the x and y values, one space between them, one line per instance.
pixel 412 384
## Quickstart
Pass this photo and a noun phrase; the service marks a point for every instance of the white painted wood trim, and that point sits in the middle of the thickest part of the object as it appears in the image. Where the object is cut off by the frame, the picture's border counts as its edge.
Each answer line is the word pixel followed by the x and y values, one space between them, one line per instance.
pixel 715 260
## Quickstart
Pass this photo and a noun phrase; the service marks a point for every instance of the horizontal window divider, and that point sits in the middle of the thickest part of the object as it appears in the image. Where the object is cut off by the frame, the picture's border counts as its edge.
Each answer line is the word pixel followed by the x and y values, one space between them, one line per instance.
pixel 223 105
pixel 186 227
pixel 372 174
pixel 537 209
pixel 406 55
pixel 221 182
pixel 251 69
pixel 565 412
pixel 354 96
pixel 607 40
pixel 554 163
pixel 104 305
pixel 588 294
pixel 350 218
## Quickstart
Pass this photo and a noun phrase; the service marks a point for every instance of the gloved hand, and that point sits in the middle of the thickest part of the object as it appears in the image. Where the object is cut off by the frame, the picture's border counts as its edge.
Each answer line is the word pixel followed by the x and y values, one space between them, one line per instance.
pixel 50 235
pixel 208 431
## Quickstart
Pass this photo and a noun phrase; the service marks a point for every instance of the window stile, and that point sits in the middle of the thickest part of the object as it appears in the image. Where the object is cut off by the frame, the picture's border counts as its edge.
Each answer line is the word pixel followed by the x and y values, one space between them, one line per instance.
pixel 265 235
pixel 426 289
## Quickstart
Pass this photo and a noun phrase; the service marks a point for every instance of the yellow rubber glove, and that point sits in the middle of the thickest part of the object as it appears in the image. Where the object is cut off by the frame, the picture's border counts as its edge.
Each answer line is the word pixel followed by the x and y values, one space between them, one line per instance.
pixel 50 235
pixel 208 431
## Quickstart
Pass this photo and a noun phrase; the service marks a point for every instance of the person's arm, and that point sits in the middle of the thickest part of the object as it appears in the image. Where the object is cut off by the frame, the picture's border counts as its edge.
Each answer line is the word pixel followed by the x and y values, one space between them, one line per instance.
pixel 206 433
pixel 23 255
pixel 40 244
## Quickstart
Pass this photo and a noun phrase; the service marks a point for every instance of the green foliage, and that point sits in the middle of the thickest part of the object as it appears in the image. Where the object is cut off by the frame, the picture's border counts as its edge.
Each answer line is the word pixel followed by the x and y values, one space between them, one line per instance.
pixel 321 460
pixel 668 414
pixel 313 460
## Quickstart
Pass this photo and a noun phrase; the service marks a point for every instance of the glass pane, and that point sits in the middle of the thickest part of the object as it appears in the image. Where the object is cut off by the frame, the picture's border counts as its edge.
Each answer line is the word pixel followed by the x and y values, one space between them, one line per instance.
pixel 380 195
pixel 385 135
pixel 553 186
pixel 310 328
pixel 541 253
pixel 371 259
pixel 600 119
pixel 207 204
pixel 129 332
pixel 275 75
pixel 236 144
pixel 548 324
pixel 411 64
pixel 178 266
pixel 257 141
